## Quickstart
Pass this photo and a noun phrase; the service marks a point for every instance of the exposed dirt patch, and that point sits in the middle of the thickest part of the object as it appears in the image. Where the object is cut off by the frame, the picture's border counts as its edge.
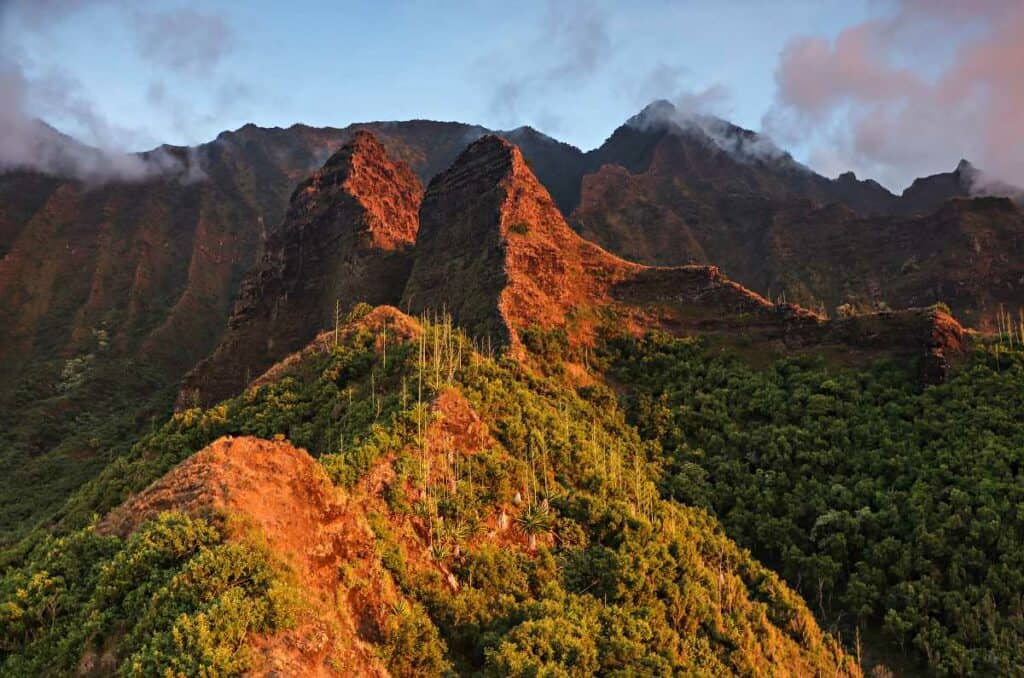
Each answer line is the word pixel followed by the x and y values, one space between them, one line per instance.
pixel 285 499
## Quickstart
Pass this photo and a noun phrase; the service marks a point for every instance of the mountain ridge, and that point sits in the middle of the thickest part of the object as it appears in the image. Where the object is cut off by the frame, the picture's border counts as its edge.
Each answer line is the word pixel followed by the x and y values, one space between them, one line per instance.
pixel 346 239
pixel 99 284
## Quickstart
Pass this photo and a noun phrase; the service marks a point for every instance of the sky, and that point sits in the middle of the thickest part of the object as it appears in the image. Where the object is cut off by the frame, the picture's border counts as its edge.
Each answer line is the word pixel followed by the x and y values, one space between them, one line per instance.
pixel 892 89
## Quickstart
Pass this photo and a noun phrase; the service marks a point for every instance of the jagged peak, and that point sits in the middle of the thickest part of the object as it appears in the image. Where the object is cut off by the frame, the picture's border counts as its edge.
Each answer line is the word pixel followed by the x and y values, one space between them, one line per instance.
pixel 528 131
pixel 659 111
pixel 363 167
pixel 489 144
pixel 491 159
pixel 744 145
pixel 362 143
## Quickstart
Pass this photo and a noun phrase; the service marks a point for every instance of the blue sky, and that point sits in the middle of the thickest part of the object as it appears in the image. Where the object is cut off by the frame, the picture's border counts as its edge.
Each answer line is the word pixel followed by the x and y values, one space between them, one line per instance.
pixel 327 63
pixel 575 70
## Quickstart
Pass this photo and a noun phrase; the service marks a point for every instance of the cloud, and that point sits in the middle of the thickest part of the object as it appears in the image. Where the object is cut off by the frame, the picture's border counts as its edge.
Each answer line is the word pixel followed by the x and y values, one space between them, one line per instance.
pixel 671 83
pixel 576 37
pixel 704 110
pixel 28 143
pixel 910 93
pixel 697 112
pixel 184 118
pixel 182 41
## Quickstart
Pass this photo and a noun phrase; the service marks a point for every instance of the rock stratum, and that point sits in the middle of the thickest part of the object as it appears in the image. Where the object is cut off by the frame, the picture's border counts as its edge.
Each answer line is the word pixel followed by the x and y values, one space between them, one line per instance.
pixel 495 252
pixel 346 239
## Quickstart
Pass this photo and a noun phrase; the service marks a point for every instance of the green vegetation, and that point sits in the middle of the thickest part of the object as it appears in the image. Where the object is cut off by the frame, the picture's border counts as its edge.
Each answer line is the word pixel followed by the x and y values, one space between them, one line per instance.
pixel 62 424
pixel 586 568
pixel 173 599
pixel 613 580
pixel 340 405
pixel 586 538
pixel 887 505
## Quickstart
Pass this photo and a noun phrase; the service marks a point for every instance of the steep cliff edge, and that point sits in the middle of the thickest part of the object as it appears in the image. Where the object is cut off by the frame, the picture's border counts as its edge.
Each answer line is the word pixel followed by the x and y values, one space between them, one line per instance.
pixel 346 239
pixel 495 252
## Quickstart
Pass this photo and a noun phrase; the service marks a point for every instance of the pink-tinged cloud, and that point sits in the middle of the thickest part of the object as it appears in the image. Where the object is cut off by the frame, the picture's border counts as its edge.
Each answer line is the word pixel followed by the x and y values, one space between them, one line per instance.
pixel 911 93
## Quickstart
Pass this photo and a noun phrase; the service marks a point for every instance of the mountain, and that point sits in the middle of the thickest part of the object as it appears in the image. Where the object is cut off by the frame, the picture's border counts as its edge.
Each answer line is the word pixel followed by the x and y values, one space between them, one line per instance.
pixel 718 159
pixel 568 464
pixel 967 254
pixel 346 238
pixel 436 511
pixel 110 292
pixel 495 252
pixel 926 194
pixel 156 264
pixel 679 189
pixel 489 247
pixel 180 246
pixel 494 249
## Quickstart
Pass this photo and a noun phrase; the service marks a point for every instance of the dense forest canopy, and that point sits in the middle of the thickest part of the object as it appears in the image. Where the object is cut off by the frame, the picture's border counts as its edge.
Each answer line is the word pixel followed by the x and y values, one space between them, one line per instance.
pixel 885 504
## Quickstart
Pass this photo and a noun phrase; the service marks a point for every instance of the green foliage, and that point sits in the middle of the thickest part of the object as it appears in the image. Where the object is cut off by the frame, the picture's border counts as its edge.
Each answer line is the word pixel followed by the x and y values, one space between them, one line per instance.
pixel 882 502
pixel 412 646
pixel 627 583
pixel 62 424
pixel 549 346
pixel 595 573
pixel 173 598
pixel 341 405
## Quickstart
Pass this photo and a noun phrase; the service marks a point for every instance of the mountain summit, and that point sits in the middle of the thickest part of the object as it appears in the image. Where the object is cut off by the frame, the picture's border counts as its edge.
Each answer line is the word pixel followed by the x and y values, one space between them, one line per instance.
pixel 346 238
pixel 494 249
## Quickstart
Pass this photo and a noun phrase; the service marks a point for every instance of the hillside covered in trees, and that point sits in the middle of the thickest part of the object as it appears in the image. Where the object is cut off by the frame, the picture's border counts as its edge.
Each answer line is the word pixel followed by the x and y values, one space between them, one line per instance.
pixel 893 509
pixel 518 530
pixel 499 516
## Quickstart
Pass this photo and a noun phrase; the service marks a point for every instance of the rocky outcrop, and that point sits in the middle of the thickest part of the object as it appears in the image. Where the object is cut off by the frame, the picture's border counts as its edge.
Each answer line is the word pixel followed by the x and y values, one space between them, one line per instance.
pixel 495 252
pixel 281 497
pixel 346 239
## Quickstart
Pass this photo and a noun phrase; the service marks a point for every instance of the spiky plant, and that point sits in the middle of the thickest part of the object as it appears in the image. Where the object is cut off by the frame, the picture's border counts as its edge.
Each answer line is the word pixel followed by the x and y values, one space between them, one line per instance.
pixel 534 521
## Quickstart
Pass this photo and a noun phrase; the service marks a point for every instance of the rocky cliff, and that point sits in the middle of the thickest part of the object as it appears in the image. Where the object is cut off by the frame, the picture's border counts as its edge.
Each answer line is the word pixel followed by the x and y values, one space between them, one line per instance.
pixel 495 252
pixel 346 239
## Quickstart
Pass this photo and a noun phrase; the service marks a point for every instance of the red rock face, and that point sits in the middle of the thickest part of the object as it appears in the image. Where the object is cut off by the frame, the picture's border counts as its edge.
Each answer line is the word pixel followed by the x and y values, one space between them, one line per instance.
pixel 495 252
pixel 346 239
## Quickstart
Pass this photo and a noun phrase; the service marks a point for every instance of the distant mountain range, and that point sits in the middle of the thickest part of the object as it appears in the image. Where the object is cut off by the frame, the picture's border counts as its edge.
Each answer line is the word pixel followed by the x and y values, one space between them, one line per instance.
pixel 142 276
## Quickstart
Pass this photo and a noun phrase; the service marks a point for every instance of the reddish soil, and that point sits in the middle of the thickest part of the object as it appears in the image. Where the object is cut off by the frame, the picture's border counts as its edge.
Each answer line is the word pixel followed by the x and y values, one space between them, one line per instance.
pixel 279 495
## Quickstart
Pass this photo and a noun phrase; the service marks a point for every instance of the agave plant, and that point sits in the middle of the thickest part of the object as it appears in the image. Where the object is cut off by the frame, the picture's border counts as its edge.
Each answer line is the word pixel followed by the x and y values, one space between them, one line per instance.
pixel 535 520
pixel 440 551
